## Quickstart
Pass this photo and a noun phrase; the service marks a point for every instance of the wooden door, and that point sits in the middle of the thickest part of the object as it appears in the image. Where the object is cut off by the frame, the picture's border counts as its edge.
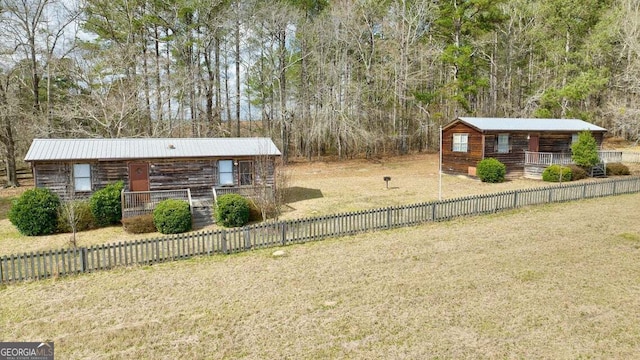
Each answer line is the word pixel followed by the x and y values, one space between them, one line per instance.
pixel 534 143
pixel 534 148
pixel 138 177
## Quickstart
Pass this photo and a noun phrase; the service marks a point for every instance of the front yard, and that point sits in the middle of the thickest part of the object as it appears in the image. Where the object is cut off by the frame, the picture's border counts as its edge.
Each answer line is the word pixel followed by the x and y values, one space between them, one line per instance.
pixel 315 188
pixel 525 284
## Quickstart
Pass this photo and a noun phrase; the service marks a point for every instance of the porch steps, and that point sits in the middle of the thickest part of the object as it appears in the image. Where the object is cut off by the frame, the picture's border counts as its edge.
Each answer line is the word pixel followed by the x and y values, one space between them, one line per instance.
pixel 598 171
pixel 202 213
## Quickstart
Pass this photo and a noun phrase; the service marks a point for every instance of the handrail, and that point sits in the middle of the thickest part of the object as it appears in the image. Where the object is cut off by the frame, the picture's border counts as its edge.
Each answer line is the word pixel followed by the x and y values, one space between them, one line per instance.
pixel 549 158
pixel 246 191
pixel 136 203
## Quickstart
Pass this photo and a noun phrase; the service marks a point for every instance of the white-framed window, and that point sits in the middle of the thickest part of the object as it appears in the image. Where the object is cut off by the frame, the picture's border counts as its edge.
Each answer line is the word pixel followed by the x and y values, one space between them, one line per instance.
pixel 460 142
pixel 503 143
pixel 82 177
pixel 574 138
pixel 245 172
pixel 225 172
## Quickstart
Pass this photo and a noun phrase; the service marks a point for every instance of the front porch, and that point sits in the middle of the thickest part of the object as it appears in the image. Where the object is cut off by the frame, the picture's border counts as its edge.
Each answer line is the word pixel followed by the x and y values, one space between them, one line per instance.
pixel 135 203
pixel 535 162
pixel 250 192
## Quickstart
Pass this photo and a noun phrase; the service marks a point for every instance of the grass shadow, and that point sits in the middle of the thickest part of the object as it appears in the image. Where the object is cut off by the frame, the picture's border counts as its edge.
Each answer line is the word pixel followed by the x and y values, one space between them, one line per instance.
pixel 297 193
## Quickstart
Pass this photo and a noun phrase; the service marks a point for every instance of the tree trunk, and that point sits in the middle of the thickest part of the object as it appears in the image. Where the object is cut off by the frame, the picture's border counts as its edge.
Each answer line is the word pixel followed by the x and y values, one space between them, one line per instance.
pixel 7 137
pixel 284 126
pixel 237 38
pixel 10 161
pixel 218 82
pixel 158 79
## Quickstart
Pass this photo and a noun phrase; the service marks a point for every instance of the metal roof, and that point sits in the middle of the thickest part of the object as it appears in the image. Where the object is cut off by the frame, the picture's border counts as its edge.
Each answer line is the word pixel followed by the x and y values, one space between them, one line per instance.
pixel 147 148
pixel 523 124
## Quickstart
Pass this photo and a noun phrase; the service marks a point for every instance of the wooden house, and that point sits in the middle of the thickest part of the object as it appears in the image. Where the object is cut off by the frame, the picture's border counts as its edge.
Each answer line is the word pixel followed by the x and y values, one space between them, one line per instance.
pixel 525 146
pixel 75 168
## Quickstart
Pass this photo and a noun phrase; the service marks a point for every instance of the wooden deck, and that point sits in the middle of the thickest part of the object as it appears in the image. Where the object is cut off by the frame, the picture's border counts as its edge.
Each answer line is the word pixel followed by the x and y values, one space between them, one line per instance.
pixel 536 162
pixel 136 203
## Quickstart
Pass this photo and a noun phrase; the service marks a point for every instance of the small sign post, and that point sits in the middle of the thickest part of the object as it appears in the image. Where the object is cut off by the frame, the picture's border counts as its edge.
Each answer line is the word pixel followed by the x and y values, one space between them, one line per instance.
pixel 386 180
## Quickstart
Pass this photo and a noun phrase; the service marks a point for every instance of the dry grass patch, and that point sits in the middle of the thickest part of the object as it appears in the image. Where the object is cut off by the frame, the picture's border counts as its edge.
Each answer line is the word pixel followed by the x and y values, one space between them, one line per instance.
pixel 557 281
pixel 322 188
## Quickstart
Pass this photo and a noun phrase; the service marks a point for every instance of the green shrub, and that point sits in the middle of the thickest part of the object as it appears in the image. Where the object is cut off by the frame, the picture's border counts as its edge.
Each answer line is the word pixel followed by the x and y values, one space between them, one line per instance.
pixel 491 170
pixel 617 169
pixel 552 173
pixel 78 212
pixel 35 212
pixel 141 224
pixel 578 172
pixel 584 152
pixel 232 210
pixel 106 204
pixel 172 216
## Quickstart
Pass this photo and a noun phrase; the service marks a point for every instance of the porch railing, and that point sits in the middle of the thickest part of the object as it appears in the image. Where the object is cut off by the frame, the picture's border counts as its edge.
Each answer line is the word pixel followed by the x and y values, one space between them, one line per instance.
pixel 610 156
pixel 246 191
pixel 136 203
pixel 547 158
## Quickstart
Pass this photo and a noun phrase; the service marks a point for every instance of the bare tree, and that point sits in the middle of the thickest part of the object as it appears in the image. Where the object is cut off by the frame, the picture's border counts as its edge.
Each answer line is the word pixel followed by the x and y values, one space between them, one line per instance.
pixel 8 116
pixel 271 183
pixel 33 31
pixel 109 106
pixel 69 211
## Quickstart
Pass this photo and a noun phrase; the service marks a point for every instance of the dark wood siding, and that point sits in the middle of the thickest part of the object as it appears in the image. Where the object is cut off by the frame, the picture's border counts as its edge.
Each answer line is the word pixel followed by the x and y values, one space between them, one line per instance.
pixel 555 142
pixel 108 172
pixel 55 176
pixel 599 138
pixel 199 175
pixel 265 170
pixel 459 162
pixel 181 174
pixel 514 159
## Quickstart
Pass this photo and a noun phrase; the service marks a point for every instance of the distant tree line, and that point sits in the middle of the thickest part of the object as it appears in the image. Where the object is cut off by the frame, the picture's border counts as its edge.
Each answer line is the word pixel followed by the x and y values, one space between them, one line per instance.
pixel 344 77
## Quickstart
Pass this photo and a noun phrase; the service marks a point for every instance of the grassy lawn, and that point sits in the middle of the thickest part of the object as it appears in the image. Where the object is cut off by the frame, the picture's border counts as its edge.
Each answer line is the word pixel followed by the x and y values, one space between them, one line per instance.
pixel 558 281
pixel 5 206
pixel 316 188
pixel 320 188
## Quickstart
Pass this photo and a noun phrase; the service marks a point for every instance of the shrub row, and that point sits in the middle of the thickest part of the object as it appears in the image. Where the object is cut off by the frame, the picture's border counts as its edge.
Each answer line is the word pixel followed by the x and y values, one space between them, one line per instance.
pixel 493 171
pixel 574 172
pixel 40 212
